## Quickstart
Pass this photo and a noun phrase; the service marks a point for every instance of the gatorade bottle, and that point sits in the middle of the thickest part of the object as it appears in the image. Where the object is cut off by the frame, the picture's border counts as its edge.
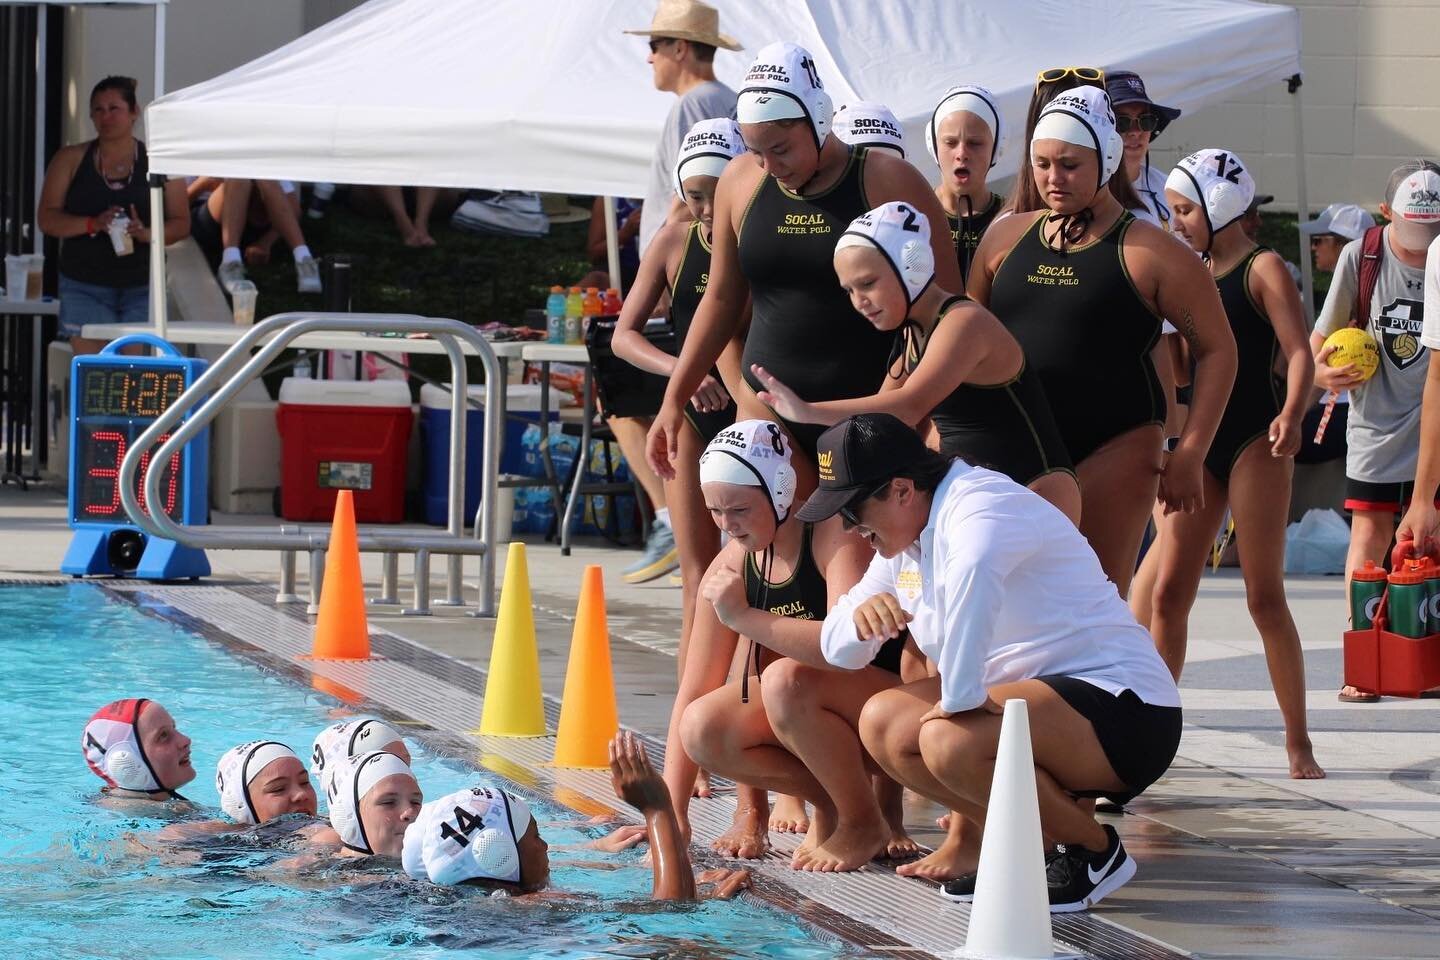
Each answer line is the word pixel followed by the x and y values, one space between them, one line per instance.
pixel 1367 586
pixel 574 310
pixel 555 315
pixel 1432 591
pixel 612 303
pixel 1409 607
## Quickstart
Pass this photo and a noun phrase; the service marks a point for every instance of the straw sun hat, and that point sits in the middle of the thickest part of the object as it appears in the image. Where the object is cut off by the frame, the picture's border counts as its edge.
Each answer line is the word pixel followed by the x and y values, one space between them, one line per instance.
pixel 688 20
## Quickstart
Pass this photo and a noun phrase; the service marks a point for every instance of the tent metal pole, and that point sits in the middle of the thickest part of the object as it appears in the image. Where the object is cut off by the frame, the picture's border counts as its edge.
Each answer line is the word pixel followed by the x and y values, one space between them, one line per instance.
pixel 159 49
pixel 158 303
pixel 41 66
pixel 1302 202
pixel 612 245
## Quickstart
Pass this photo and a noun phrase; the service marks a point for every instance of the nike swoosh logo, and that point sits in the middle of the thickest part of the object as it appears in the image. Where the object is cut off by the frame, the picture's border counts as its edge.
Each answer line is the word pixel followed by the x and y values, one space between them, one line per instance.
pixel 1096 877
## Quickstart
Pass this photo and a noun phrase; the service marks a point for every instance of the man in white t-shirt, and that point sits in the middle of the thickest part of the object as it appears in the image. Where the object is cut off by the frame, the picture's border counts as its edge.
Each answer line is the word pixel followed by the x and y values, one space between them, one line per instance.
pixel 1422 520
pixel 683 37
pixel 1006 600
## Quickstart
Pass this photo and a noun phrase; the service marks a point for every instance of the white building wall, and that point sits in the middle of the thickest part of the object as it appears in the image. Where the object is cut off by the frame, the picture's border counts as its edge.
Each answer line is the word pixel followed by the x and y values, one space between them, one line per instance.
pixel 1371 99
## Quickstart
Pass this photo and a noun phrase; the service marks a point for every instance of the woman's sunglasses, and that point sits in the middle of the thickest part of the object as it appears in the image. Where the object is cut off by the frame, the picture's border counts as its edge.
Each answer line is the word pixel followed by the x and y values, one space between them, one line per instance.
pixel 1056 74
pixel 847 513
pixel 1145 122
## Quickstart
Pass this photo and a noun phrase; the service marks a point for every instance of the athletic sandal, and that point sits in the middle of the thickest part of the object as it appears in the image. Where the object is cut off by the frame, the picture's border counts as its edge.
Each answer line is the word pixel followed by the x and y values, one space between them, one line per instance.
pixel 1080 879
pixel 1359 696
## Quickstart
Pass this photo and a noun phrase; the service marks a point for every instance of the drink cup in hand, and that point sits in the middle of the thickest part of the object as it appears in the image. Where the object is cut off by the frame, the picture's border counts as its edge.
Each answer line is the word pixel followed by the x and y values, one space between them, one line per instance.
pixel 120 238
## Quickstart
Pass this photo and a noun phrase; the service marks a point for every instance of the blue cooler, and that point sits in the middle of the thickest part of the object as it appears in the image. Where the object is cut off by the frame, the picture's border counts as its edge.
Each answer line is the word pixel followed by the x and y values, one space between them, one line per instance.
pixel 522 408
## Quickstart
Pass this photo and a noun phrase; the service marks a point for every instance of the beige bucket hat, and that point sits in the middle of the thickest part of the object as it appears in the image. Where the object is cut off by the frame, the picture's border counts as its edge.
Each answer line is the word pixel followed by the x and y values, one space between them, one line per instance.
pixel 688 20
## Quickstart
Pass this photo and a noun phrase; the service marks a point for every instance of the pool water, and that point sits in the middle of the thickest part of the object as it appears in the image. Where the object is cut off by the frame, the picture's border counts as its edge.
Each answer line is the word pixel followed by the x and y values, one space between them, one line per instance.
pixel 74 886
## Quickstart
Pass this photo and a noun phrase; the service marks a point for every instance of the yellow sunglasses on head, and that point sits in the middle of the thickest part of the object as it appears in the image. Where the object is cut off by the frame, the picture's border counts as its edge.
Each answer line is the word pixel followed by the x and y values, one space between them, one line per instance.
pixel 1056 74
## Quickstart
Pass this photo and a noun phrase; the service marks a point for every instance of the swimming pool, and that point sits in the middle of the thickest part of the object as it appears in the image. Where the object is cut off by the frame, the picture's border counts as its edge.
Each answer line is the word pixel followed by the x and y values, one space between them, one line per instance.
pixel 76 888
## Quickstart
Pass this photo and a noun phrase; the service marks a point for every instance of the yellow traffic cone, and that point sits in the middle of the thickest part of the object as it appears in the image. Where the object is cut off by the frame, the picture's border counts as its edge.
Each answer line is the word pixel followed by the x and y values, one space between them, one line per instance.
pixel 341 629
pixel 513 705
pixel 587 712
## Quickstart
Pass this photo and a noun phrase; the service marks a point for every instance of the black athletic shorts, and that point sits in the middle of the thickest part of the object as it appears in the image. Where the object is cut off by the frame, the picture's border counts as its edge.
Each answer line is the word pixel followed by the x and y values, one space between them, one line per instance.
pixel 888 657
pixel 1383 497
pixel 1139 738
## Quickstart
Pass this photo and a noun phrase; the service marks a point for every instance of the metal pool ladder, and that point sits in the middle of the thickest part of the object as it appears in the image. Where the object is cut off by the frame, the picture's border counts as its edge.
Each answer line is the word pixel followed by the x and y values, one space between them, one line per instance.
pixel 229 375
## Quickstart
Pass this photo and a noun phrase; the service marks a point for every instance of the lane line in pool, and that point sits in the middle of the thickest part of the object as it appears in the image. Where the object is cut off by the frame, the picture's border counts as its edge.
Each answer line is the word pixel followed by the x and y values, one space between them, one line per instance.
pixel 873 907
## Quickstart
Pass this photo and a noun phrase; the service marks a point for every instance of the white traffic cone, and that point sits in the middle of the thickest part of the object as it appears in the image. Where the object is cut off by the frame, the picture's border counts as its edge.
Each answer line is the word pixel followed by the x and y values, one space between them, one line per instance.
pixel 1010 915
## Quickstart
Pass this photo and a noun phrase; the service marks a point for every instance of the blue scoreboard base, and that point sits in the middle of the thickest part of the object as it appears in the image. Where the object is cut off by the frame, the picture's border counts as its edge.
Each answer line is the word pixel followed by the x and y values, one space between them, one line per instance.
pixel 89 555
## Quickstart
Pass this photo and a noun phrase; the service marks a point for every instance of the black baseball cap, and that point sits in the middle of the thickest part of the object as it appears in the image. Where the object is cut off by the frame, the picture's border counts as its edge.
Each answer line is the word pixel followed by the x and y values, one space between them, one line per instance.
pixel 1125 86
pixel 855 457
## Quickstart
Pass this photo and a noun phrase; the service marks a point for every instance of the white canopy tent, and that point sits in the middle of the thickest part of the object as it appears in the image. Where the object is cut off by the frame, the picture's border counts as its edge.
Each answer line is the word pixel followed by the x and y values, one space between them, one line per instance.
pixel 553 97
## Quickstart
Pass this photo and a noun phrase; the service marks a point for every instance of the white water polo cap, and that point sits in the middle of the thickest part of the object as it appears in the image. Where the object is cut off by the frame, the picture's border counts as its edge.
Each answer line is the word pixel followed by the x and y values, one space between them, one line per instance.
pixel 1083 116
pixel 706 150
pixel 753 453
pixel 783 84
pixel 902 235
pixel 1217 181
pixel 348 739
pixel 111 742
pixel 968 98
pixel 470 834
pixel 867 124
pixel 350 780
pixel 240 765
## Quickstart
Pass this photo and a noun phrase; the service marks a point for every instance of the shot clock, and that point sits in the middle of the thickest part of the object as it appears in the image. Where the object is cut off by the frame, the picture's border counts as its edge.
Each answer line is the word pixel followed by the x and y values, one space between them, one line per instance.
pixel 114 399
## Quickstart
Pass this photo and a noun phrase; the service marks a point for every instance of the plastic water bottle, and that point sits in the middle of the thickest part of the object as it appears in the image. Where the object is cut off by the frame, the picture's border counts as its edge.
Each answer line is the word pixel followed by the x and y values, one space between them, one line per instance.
pixel 555 315
pixel 302 367
pixel 574 311
pixel 1409 607
pixel 612 303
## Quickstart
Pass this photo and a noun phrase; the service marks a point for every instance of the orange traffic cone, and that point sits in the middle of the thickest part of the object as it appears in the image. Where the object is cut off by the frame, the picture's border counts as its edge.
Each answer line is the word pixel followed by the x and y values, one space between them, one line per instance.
pixel 587 713
pixel 341 630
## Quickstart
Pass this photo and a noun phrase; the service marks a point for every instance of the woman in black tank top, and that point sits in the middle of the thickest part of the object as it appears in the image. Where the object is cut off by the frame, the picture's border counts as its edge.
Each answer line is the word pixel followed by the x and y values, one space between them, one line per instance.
pixel 777 215
pixel 773 583
pixel 1083 286
pixel 678 262
pixel 1252 459
pixel 87 187
pixel 985 402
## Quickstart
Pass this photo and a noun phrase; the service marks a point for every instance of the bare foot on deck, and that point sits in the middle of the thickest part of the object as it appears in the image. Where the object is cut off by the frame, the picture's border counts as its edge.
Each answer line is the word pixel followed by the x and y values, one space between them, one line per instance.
pixel 892 805
pixel 821 826
pixel 954 857
pixel 850 847
pixel 1302 762
pixel 788 815
pixel 747 838
pixel 943 821
pixel 702 784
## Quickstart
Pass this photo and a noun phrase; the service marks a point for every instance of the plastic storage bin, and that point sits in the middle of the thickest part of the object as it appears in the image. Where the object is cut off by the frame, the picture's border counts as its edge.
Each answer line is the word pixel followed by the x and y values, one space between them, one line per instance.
pixel 522 408
pixel 343 435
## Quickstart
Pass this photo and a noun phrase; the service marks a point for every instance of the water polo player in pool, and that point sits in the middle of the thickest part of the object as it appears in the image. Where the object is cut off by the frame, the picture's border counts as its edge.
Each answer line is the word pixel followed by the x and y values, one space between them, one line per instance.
pixel 485 836
pixel 136 748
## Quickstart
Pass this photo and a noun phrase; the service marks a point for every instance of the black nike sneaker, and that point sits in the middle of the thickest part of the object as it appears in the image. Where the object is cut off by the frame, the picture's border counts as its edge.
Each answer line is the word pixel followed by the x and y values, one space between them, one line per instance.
pixel 1079 879
pixel 962 888
pixel 959 890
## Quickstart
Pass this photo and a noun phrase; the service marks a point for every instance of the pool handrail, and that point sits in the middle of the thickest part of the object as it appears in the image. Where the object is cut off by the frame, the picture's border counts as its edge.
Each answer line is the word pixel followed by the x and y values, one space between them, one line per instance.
pixel 228 375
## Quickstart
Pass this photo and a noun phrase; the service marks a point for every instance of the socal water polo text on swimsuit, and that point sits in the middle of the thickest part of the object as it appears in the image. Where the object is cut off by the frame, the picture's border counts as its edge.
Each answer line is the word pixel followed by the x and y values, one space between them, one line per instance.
pixel 1050 276
pixel 803 223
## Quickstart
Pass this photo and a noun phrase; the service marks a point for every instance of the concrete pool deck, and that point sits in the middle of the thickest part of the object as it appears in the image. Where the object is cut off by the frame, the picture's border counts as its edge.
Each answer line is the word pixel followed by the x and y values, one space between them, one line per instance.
pixel 1236 860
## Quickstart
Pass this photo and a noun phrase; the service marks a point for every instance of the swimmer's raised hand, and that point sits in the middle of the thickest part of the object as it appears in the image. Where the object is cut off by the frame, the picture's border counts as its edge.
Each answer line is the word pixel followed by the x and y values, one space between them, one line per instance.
pixel 880 617
pixel 632 775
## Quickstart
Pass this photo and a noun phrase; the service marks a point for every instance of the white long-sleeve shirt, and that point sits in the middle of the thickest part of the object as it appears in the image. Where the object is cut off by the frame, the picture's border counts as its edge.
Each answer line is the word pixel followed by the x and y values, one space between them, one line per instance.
pixel 1002 587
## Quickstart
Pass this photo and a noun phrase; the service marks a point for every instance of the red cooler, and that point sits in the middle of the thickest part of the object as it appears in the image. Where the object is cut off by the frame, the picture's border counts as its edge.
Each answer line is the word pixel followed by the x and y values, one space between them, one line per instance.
pixel 343 435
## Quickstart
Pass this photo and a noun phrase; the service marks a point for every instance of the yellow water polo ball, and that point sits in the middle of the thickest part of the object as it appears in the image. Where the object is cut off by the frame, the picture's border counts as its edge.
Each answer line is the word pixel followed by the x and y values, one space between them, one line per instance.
pixel 1353 345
